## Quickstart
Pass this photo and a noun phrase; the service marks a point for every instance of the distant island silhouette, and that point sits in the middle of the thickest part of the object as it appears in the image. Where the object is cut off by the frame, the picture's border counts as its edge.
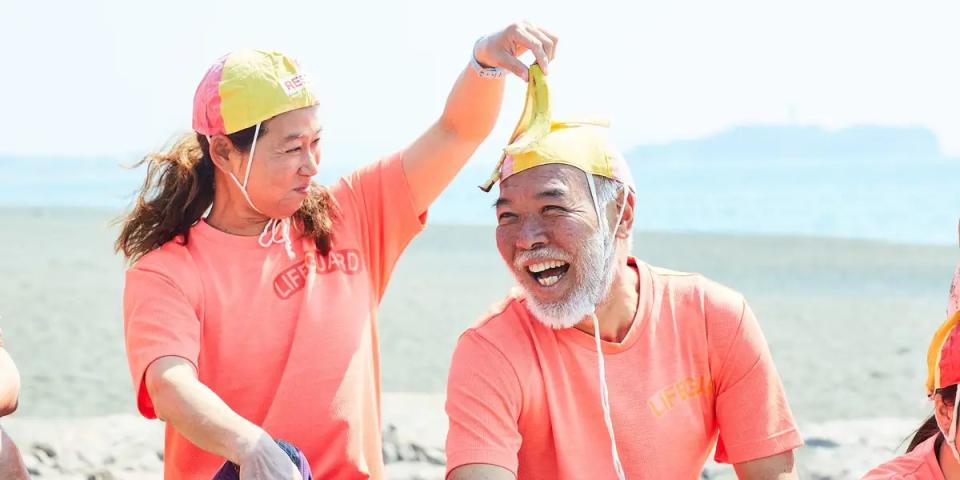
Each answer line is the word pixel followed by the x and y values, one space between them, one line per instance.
pixel 774 142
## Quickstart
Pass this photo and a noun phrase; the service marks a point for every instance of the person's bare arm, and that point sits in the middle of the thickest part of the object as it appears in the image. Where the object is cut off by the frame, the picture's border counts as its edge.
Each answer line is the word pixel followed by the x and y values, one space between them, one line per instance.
pixel 197 413
pixel 481 471
pixel 471 111
pixel 9 383
pixel 776 467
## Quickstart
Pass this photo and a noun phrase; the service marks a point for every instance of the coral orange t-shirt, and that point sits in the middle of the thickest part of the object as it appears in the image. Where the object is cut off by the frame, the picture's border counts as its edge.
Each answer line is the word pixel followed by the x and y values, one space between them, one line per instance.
pixel 291 345
pixel 920 464
pixel 694 366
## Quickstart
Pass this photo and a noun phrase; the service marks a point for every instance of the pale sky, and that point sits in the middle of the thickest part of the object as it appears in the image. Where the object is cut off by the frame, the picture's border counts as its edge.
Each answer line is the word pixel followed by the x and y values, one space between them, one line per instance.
pixel 114 77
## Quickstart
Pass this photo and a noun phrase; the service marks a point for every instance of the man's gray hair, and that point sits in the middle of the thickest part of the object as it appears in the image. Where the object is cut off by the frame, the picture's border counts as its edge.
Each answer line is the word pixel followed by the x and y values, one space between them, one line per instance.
pixel 608 190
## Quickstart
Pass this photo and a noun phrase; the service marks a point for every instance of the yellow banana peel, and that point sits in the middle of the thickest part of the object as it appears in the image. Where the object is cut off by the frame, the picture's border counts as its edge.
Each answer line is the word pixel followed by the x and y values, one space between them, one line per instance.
pixel 536 122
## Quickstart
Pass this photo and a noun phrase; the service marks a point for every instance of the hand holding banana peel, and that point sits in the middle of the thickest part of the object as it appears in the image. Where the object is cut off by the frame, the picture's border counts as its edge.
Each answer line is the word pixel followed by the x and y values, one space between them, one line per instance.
pixel 502 48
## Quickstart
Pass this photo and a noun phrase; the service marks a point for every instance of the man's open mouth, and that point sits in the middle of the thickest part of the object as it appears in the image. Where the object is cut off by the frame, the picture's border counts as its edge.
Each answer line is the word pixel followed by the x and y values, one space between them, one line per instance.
pixel 548 273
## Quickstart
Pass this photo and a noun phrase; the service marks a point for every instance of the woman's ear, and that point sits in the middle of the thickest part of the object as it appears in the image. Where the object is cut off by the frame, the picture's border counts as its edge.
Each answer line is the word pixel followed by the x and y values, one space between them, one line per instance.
pixel 944 413
pixel 220 149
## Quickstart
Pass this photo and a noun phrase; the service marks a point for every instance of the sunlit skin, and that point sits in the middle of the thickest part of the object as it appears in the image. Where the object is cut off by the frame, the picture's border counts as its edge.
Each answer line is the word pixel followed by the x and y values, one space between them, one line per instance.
pixel 549 209
pixel 285 159
pixel 539 211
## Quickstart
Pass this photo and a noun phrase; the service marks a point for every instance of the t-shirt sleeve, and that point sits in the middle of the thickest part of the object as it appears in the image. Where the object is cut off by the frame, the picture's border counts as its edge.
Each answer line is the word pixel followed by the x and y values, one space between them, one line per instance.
pixel 751 407
pixel 379 203
pixel 158 321
pixel 483 406
pixel 919 463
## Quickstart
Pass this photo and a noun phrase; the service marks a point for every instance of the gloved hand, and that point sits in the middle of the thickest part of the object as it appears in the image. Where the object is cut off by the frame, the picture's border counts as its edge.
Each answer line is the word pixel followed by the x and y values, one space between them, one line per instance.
pixel 265 460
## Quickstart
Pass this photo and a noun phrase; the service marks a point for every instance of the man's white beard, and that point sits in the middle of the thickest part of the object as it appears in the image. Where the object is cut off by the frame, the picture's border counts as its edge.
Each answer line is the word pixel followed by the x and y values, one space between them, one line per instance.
pixel 595 270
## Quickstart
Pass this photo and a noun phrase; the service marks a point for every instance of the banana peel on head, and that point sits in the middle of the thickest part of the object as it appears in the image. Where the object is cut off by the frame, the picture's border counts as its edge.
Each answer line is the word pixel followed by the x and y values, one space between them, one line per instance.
pixel 535 123
pixel 536 107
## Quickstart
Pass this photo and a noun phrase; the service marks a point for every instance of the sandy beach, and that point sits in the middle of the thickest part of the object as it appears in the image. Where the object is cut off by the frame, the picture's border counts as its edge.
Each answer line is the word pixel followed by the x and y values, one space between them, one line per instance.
pixel 124 446
pixel 847 321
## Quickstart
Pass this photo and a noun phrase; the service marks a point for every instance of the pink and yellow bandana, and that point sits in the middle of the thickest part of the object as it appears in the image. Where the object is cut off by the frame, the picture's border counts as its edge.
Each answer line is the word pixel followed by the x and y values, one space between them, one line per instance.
pixel 538 139
pixel 943 356
pixel 247 87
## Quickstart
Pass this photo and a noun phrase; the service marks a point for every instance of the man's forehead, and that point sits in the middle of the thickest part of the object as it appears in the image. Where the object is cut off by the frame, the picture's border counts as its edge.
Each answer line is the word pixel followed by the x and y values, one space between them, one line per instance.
pixel 543 178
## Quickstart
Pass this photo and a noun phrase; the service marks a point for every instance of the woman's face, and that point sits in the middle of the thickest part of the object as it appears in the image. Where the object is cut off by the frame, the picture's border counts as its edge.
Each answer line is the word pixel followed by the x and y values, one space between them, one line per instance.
pixel 286 156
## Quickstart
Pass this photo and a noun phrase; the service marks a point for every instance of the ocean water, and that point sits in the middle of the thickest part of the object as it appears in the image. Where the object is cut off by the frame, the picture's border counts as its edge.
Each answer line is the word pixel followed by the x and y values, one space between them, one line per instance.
pixel 907 201
pixel 900 201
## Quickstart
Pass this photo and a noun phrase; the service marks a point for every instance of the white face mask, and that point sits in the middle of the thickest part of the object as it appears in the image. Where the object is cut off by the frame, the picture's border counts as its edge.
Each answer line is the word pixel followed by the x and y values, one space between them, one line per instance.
pixel 276 230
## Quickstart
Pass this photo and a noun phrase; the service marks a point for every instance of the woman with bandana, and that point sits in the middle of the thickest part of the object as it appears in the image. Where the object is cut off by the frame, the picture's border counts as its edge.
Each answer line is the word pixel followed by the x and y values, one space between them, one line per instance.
pixel 250 306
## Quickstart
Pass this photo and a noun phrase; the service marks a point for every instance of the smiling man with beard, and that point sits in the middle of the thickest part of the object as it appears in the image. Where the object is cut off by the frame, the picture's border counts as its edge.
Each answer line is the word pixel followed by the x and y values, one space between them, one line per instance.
pixel 599 365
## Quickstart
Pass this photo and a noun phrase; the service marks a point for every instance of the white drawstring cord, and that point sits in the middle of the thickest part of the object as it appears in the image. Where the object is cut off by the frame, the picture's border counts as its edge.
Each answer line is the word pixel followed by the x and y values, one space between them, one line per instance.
pixel 274 225
pixel 279 232
pixel 246 176
pixel 952 432
pixel 604 393
pixel 605 400
pixel 596 203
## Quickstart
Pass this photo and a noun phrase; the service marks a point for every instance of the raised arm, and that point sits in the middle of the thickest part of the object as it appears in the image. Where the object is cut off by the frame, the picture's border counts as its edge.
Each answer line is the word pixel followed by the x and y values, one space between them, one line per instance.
pixel 471 111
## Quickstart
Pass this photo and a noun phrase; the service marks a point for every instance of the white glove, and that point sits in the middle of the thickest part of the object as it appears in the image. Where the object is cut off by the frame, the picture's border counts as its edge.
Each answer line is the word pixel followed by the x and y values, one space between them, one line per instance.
pixel 267 461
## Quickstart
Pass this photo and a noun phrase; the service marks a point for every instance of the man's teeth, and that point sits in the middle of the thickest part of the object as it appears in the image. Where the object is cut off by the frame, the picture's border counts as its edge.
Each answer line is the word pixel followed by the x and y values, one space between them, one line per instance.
pixel 539 267
pixel 547 281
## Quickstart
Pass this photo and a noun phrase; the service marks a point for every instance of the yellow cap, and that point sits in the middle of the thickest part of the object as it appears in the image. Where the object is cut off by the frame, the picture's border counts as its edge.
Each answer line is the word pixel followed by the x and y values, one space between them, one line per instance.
pixel 538 139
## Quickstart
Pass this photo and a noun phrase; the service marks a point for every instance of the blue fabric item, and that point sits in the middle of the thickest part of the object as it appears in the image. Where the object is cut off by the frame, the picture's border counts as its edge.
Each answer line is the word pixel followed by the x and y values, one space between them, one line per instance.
pixel 231 471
